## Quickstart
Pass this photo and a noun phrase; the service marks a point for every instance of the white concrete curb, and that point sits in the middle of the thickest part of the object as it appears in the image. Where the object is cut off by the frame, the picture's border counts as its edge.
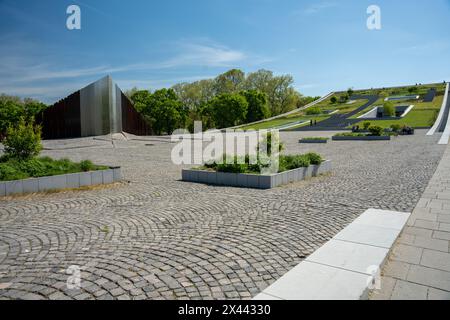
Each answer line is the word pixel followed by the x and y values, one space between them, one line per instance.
pixel 287 113
pixel 441 113
pixel 345 267
pixel 64 181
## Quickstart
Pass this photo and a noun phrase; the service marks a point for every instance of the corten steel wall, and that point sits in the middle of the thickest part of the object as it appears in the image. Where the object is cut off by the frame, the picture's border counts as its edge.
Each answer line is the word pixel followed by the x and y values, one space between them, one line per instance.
pixel 132 121
pixel 62 120
pixel 98 109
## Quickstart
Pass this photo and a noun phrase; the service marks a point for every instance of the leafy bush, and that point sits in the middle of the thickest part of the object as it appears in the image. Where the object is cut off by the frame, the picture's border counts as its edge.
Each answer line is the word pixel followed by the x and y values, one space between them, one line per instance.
pixel 87 165
pixel 376 131
pixel 396 127
pixel 290 162
pixel 314 158
pixel 313 111
pixel 333 99
pixel 22 141
pixel 366 125
pixel 349 134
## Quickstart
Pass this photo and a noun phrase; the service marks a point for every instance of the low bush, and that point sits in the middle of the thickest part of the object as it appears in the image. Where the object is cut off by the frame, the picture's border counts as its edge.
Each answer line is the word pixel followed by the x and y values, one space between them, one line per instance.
pixel 376 131
pixel 349 134
pixel 286 162
pixel 396 127
pixel 366 125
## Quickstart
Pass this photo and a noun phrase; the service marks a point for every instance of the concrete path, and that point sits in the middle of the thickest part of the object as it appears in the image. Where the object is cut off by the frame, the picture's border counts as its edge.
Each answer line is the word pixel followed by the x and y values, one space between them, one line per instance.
pixel 419 265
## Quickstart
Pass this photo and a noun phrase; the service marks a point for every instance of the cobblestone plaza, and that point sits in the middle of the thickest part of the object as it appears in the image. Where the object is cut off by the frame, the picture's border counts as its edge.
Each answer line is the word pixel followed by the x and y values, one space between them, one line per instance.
pixel 156 237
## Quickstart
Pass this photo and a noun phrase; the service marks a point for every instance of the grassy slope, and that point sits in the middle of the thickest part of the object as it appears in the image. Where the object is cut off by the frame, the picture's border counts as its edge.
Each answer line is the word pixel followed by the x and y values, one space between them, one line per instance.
pixel 423 114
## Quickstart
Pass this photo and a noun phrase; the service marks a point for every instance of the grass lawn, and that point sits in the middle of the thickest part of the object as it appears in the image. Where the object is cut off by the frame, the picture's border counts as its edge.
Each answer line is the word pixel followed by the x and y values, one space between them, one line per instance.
pixel 415 118
pixel 42 167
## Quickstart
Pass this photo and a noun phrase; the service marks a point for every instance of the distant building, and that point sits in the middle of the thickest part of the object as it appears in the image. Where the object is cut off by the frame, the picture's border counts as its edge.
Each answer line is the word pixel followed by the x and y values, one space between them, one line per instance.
pixel 100 108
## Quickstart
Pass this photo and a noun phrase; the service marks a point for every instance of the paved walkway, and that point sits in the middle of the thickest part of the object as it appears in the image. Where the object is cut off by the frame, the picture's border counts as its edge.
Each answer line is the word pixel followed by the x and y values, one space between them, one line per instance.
pixel 419 265
pixel 159 238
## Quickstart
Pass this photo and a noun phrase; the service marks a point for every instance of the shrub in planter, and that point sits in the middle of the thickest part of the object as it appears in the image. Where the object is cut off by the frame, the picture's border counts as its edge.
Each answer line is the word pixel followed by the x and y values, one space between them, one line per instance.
pixel 366 125
pixel 388 109
pixel 314 158
pixel 22 141
pixel 376 131
pixel 396 127
pixel 268 141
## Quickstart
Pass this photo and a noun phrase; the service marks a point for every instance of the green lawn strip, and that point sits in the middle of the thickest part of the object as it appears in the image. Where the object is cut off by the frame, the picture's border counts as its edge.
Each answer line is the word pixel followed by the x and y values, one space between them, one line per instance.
pixel 285 121
pixel 42 167
pixel 415 118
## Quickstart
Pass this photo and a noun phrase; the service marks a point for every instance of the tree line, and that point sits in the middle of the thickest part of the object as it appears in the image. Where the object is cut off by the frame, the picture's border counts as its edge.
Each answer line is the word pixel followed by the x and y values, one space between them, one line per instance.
pixel 230 99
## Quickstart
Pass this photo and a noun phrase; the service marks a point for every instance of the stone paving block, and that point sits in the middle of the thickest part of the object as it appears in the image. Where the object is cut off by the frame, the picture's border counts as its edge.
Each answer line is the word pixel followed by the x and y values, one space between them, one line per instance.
pixel 444 227
pixel 426 224
pixel 404 290
pixel 430 243
pixel 311 281
pixel 429 277
pixel 435 294
pixel 385 291
pixel 396 269
pixel 436 259
pixel 349 256
pixel 366 234
pixel 383 219
pixel 30 185
pixel 421 232
pixel 406 253
pixel 441 235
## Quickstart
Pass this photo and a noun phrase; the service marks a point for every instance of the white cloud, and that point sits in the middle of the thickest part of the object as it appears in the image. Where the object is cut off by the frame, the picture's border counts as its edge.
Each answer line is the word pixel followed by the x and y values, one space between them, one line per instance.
pixel 315 8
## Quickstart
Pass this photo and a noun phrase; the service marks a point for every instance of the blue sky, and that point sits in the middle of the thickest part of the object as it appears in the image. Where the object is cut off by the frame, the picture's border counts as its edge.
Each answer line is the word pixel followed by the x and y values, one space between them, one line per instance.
pixel 151 44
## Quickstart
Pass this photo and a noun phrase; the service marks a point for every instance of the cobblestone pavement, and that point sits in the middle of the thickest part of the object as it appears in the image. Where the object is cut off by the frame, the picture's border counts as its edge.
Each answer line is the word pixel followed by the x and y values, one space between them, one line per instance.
pixel 159 238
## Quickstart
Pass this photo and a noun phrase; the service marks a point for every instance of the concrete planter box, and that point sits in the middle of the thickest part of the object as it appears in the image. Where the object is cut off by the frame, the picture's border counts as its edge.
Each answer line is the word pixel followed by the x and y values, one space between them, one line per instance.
pixel 312 141
pixel 253 180
pixel 363 138
pixel 64 181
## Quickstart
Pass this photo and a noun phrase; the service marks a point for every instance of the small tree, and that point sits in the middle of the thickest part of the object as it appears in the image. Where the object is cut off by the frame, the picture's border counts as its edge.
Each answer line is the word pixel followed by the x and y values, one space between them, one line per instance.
pixel 388 109
pixel 350 92
pixel 23 141
pixel 313 111
pixel 333 99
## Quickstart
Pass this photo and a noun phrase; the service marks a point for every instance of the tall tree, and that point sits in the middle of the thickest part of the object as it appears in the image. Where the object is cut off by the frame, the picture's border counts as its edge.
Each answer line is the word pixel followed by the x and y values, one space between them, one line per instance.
pixel 258 108
pixel 166 111
pixel 231 81
pixel 141 99
pixel 228 109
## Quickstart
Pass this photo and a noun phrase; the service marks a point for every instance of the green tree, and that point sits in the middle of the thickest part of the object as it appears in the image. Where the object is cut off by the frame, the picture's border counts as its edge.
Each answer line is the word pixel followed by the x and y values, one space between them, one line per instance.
pixel 22 141
pixel 141 99
pixel 10 113
pixel 350 92
pixel 258 108
pixel 166 111
pixel 229 82
pixel 333 99
pixel 228 110
pixel 388 109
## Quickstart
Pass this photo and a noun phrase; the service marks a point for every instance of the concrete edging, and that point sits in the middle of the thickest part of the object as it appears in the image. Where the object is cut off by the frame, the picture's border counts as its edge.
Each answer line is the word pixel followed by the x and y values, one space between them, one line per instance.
pixel 345 267
pixel 312 141
pixel 253 180
pixel 64 181
pixel 441 113
pixel 362 138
